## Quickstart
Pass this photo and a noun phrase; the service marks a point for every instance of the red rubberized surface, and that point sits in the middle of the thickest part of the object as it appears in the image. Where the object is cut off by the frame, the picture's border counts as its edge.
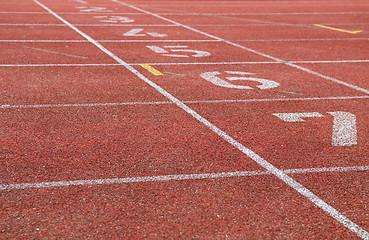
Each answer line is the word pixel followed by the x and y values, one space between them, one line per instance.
pixel 29 18
pixel 73 85
pixel 354 73
pixel 90 150
pixel 105 142
pixel 22 53
pixel 238 208
pixel 36 33
pixel 318 51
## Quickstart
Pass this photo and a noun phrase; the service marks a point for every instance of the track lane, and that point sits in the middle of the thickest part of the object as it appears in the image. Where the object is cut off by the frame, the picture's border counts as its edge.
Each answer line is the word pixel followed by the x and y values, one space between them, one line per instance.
pixel 261 161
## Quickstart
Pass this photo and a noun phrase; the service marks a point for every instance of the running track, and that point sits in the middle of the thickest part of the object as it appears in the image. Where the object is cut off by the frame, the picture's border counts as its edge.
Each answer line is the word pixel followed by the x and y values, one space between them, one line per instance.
pixel 184 119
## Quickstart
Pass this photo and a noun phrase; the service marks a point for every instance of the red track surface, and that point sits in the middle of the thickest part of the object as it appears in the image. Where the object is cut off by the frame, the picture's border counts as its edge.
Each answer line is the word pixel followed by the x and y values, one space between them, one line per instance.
pixel 96 144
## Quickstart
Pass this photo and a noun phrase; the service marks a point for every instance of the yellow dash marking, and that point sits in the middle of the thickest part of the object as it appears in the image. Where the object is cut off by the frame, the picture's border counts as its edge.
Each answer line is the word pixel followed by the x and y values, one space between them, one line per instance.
pixel 337 29
pixel 48 51
pixel 151 69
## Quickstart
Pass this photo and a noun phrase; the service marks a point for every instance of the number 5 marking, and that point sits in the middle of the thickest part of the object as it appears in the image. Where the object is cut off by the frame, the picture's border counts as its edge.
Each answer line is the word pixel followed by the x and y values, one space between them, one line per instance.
pixel 344 132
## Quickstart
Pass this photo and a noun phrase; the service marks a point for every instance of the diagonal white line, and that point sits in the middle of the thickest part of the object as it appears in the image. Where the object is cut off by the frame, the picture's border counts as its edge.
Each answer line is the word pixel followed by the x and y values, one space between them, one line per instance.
pixel 262 162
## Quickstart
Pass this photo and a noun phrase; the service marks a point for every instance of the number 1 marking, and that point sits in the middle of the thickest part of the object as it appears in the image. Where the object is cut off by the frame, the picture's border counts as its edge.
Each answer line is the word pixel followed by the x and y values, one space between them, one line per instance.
pixel 344 132
pixel 344 129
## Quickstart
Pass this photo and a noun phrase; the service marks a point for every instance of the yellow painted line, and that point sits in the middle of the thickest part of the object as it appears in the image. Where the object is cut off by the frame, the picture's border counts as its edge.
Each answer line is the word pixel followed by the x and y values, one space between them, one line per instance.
pixel 48 51
pixel 337 29
pixel 151 69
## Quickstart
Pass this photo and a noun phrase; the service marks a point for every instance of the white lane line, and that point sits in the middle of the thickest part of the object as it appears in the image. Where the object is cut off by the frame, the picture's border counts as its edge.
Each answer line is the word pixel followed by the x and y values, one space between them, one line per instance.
pixel 251 50
pixel 32 24
pixel 298 40
pixel 114 41
pixel 281 13
pixel 15 41
pixel 7 106
pixel 277 99
pixel 181 177
pixel 84 104
pixel 248 6
pixel 338 61
pixel 262 162
pixel 190 40
pixel 205 14
pixel 162 25
pixel 240 63
pixel 59 65
pixel 183 63
pixel 77 13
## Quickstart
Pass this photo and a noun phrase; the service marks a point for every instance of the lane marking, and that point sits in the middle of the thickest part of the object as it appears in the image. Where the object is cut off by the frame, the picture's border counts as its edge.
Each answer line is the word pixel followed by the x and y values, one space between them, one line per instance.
pixel 294 93
pixel 61 65
pixel 344 132
pixel 248 6
pixel 344 129
pixel 190 102
pixel 77 13
pixel 180 63
pixel 189 40
pixel 184 13
pixel 159 25
pixel 163 178
pixel 262 162
pixel 214 79
pixel 257 14
pixel 129 41
pixel 48 51
pixel 177 74
pixel 338 29
pixel 151 69
pixel 297 117
pixel 86 104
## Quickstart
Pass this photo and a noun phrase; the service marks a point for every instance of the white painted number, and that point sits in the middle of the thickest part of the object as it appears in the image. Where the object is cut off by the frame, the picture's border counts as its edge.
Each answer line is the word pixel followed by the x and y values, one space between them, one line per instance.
pixel 93 9
pixel 162 50
pixel 114 19
pixel 136 32
pixel 344 131
pixel 212 77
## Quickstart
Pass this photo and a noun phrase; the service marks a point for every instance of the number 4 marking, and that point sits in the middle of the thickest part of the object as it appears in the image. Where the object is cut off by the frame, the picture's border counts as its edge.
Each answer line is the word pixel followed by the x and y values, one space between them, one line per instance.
pixel 344 131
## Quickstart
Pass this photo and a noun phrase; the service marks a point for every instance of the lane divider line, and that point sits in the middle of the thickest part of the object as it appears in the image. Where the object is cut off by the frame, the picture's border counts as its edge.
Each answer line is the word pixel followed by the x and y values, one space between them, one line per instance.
pixel 178 63
pixel 295 93
pixel 337 29
pixel 182 177
pixel 151 69
pixel 298 187
pixel 61 105
pixel 48 51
